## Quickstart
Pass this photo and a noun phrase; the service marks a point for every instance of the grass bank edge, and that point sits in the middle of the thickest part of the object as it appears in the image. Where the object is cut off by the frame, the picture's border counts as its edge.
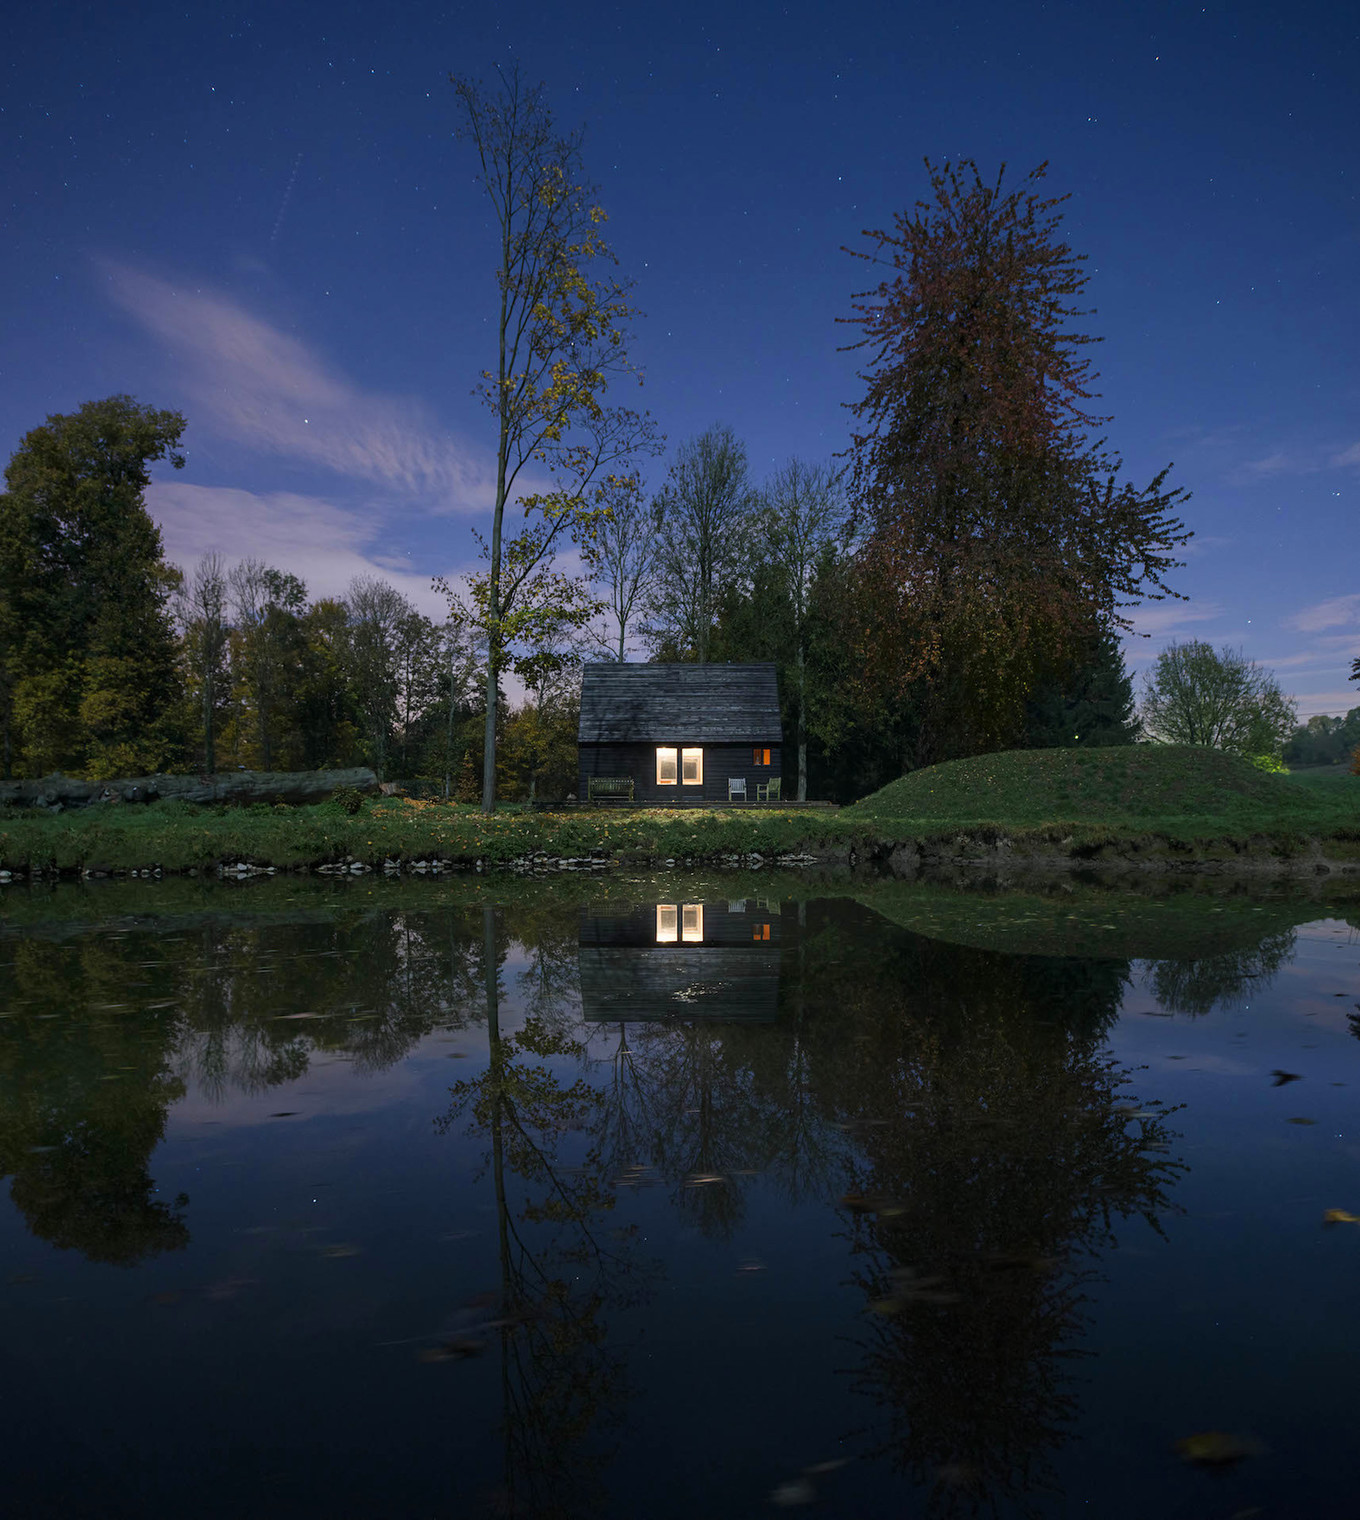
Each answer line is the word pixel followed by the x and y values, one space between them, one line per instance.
pixel 1144 804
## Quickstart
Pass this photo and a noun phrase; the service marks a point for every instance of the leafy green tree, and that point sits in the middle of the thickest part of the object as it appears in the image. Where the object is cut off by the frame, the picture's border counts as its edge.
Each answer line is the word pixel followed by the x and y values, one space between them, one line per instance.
pixel 1196 695
pixel 1324 740
pixel 267 648
pixel 801 523
pixel 88 660
pixel 325 713
pixel 995 528
pixel 561 338
pixel 1090 705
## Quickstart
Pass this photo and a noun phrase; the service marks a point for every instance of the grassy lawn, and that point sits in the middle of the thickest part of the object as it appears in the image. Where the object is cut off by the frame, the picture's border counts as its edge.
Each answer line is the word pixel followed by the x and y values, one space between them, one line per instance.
pixel 178 835
pixel 1177 791
pixel 1138 799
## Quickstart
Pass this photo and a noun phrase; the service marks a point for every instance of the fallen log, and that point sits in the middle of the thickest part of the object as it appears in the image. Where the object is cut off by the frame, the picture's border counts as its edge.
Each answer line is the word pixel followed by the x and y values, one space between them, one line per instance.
pixel 232 787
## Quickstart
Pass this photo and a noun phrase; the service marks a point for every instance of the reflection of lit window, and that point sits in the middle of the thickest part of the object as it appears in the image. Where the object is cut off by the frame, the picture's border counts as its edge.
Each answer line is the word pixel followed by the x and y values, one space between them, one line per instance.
pixel 760 931
pixel 667 923
pixel 692 923
pixel 692 766
pixel 665 767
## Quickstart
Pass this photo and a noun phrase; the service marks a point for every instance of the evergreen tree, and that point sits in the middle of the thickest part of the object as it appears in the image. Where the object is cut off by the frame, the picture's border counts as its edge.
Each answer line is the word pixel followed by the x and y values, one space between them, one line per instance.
pixel 1090 705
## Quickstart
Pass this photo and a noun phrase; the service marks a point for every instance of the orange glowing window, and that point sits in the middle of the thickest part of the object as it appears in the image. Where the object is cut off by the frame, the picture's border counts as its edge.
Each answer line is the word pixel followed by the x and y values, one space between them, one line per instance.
pixel 692 923
pixel 667 767
pixel 760 757
pixel 667 923
pixel 692 767
pixel 760 931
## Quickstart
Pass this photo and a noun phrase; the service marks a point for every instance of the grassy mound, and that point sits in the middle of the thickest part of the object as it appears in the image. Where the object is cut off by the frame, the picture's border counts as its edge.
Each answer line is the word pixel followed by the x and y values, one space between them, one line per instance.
pixel 1139 786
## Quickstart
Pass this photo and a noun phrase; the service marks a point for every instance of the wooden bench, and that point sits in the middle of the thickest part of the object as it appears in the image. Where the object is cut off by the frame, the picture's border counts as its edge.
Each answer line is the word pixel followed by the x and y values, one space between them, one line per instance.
pixel 609 788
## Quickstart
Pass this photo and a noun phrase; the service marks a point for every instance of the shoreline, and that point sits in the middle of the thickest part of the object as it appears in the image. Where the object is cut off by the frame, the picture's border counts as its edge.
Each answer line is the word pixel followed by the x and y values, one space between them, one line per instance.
pixel 906 855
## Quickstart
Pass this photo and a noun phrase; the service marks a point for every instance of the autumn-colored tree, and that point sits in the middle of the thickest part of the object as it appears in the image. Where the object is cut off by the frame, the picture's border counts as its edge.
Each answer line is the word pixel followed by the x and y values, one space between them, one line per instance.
pixel 561 338
pixel 88 677
pixel 996 529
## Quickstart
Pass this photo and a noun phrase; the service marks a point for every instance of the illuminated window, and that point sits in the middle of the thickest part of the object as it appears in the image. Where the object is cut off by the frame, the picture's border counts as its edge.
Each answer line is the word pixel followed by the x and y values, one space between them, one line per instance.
pixel 667 923
pixel 760 757
pixel 692 767
pixel 692 923
pixel 760 931
pixel 666 766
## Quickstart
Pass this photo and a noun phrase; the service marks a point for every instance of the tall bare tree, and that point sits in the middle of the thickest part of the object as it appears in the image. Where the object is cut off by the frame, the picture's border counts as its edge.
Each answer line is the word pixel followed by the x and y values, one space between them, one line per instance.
pixel 803 518
pixel 201 602
pixel 703 517
pixel 561 337
pixel 623 555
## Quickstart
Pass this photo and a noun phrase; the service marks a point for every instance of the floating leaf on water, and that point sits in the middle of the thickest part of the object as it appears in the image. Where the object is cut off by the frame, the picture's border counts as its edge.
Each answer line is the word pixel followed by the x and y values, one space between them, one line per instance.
pixel 1215 1448
pixel 342 1249
pixel 1340 1216
pixel 1281 1077
pixel 818 1468
pixel 797 1491
pixel 286 1113
pixel 1301 1121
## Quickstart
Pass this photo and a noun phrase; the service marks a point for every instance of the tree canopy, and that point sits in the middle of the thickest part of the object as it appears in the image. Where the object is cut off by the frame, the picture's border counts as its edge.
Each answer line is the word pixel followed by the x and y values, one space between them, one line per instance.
pixel 88 658
pixel 1197 695
pixel 996 529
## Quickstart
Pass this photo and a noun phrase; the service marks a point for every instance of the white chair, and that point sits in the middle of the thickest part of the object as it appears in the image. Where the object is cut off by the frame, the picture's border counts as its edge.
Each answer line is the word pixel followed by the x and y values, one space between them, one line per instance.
pixel 736 787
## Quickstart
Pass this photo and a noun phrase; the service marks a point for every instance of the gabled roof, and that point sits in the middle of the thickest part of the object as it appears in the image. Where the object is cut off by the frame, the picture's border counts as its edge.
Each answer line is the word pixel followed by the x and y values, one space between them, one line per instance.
pixel 694 704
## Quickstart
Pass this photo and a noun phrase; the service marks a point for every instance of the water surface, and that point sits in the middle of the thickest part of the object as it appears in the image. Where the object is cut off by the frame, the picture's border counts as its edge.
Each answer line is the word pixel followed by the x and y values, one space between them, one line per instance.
pixel 645 1198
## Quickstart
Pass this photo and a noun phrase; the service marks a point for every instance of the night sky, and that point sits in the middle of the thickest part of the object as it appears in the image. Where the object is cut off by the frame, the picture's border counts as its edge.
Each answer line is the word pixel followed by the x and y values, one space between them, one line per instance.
pixel 259 215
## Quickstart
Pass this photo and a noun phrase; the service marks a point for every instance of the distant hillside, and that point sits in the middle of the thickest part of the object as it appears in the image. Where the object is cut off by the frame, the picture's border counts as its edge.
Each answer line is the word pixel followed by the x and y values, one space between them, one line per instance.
pixel 1140 785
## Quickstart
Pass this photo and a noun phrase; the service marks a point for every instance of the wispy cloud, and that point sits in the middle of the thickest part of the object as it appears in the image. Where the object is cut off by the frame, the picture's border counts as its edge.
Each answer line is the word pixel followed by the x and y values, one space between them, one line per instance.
pixel 262 388
pixel 1162 618
pixel 1336 612
pixel 1348 456
pixel 323 544
pixel 1272 464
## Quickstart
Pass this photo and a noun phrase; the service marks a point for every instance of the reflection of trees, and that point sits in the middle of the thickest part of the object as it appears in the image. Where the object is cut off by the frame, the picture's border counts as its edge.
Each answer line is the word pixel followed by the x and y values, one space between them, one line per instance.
pixel 1199 986
pixel 103 1030
pixel 84 1091
pixel 559 1272
pixel 994 1154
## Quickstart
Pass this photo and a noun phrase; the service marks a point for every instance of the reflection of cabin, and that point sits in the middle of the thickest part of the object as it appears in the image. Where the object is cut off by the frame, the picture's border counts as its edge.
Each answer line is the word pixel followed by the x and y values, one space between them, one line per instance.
pixel 714 961
pixel 673 734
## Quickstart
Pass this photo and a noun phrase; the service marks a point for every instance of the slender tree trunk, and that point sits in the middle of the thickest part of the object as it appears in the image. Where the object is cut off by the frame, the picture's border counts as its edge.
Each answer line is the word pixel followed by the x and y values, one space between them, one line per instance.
pixel 493 610
pixel 209 737
pixel 448 750
pixel 802 723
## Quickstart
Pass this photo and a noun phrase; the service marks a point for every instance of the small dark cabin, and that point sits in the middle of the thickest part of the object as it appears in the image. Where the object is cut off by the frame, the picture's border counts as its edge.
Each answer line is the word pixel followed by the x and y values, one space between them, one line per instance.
pixel 681 733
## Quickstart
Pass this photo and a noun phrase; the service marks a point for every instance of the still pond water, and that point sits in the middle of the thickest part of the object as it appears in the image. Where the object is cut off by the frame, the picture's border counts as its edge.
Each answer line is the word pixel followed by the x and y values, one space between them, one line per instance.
pixel 649 1199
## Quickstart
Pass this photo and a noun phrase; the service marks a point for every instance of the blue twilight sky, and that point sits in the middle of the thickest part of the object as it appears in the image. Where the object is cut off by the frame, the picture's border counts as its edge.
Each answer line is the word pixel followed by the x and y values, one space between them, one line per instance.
pixel 258 214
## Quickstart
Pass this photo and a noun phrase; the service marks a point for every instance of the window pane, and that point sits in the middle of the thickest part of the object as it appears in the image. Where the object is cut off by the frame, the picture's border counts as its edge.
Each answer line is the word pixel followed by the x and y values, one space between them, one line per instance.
pixel 665 767
pixel 692 928
pixel 666 924
pixel 693 760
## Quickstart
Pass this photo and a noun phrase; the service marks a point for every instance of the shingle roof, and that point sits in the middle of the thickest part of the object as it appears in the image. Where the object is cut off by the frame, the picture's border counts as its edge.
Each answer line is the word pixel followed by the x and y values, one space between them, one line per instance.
pixel 698 704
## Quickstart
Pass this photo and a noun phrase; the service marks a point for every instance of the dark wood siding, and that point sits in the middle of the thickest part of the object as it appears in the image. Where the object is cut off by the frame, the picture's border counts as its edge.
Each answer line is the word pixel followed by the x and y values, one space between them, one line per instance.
pixel 639 762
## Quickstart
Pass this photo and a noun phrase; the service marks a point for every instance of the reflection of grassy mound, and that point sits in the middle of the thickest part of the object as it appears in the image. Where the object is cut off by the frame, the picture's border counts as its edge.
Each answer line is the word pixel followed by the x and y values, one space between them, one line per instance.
pixel 1138 786
pixel 1103 923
